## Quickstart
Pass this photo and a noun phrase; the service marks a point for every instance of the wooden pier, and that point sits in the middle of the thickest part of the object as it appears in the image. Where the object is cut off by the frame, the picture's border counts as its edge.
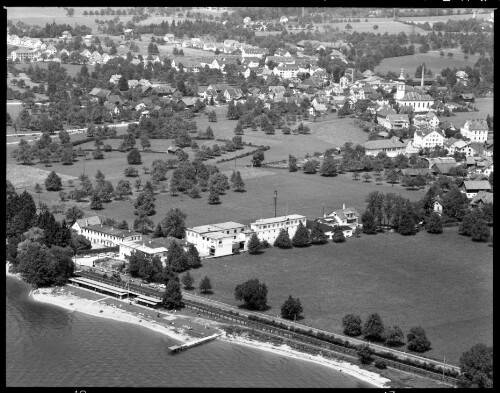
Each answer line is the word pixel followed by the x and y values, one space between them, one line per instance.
pixel 176 348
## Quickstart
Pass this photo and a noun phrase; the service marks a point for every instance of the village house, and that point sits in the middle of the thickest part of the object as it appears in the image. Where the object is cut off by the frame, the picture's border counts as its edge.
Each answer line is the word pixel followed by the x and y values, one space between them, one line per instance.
pixel 169 38
pixel 454 145
pixel 342 217
pixel 471 188
pixel 250 52
pixel 396 122
pixel 481 198
pixel 218 239
pixel 25 54
pixel 268 228
pixel 392 147
pixel 428 120
pixel 286 71
pixel 428 138
pixel 475 130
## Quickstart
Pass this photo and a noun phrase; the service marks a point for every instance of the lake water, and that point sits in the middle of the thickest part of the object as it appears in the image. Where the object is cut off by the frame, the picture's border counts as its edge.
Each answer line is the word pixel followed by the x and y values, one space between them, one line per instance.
pixel 47 346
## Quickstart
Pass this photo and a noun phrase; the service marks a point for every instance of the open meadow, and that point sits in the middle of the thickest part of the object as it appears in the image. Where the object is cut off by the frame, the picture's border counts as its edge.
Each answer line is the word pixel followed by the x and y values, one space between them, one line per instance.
pixel 432 59
pixel 440 282
pixel 328 132
pixel 444 18
pixel 385 25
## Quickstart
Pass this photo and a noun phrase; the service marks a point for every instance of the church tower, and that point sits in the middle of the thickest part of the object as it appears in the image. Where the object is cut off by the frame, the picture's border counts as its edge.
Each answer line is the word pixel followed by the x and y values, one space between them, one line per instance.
pixel 401 86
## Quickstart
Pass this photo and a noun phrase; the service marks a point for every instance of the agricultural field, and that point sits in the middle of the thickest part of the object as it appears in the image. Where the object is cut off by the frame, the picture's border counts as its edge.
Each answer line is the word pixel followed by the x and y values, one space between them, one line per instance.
pixel 433 61
pixel 385 273
pixel 22 176
pixel 325 133
pixel 385 25
pixel 72 69
pixel 443 18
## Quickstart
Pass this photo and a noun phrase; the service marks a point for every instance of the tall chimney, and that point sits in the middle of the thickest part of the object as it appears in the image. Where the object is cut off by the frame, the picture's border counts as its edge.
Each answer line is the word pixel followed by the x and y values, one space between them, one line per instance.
pixel 343 206
pixel 422 80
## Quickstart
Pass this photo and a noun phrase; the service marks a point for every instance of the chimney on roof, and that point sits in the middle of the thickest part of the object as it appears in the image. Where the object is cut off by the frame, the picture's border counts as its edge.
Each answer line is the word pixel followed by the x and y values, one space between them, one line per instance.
pixel 343 206
pixel 150 242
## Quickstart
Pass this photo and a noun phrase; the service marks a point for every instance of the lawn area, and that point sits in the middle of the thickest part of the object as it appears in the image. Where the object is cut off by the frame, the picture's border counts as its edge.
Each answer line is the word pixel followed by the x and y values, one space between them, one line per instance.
pixel 432 60
pixel 71 69
pixel 294 194
pixel 440 282
pixel 325 133
pixel 385 25
pixel 444 18
pixel 485 106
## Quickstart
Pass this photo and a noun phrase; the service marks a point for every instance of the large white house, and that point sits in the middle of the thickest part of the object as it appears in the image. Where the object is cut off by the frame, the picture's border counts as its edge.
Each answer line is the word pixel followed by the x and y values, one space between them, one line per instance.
pixel 269 228
pixel 218 239
pixel 428 138
pixel 475 130
pixel 149 249
pixel 93 230
pixel 342 217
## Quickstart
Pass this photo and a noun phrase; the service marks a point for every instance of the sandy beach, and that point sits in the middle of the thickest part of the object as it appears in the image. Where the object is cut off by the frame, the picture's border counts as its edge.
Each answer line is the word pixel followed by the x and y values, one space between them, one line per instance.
pixel 68 300
pixel 340 366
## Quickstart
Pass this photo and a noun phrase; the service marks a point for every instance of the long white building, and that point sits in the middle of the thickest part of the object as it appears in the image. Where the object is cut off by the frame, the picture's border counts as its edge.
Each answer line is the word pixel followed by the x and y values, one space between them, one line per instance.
pixel 92 229
pixel 269 228
pixel 218 239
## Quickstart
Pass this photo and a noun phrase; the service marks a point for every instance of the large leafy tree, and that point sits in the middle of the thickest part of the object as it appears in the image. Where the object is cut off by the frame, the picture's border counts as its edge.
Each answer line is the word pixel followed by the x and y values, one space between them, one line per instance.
pixel 237 181
pixel 292 164
pixel 172 297
pixel 291 309
pixel 193 257
pixel 176 258
pixel 368 221
pixel 205 285
pixel 301 238
pixel 417 340
pixel 254 246
pixel 373 328
pixel 407 224
pixel 174 223
pixel 329 167
pixel 134 157
pixel 53 182
pixel 253 293
pixel 394 336
pixel 283 239
pixel 434 224
pixel 476 367
pixel 317 235
pixel 455 204
pixel 351 324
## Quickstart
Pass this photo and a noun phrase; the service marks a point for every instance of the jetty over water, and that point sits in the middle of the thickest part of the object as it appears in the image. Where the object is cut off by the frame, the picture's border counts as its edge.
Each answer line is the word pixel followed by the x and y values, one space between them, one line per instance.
pixel 176 348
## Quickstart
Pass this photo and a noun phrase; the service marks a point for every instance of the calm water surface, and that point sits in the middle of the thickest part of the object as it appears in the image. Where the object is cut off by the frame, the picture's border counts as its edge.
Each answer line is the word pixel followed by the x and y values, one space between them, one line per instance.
pixel 46 346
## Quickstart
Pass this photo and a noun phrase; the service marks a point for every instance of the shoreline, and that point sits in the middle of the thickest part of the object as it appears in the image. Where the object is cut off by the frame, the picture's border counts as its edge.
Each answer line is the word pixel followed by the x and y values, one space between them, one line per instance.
pixel 342 366
pixel 74 303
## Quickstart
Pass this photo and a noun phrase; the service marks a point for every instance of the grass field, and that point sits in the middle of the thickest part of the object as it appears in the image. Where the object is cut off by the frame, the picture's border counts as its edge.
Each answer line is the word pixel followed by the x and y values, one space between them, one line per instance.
pixel 26 176
pixel 71 69
pixel 325 133
pixel 385 25
pixel 432 60
pixel 440 282
pixel 444 18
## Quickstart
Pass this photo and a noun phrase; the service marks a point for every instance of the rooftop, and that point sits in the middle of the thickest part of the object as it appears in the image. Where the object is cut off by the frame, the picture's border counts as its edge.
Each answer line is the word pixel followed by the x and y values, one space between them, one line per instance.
pixel 279 219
